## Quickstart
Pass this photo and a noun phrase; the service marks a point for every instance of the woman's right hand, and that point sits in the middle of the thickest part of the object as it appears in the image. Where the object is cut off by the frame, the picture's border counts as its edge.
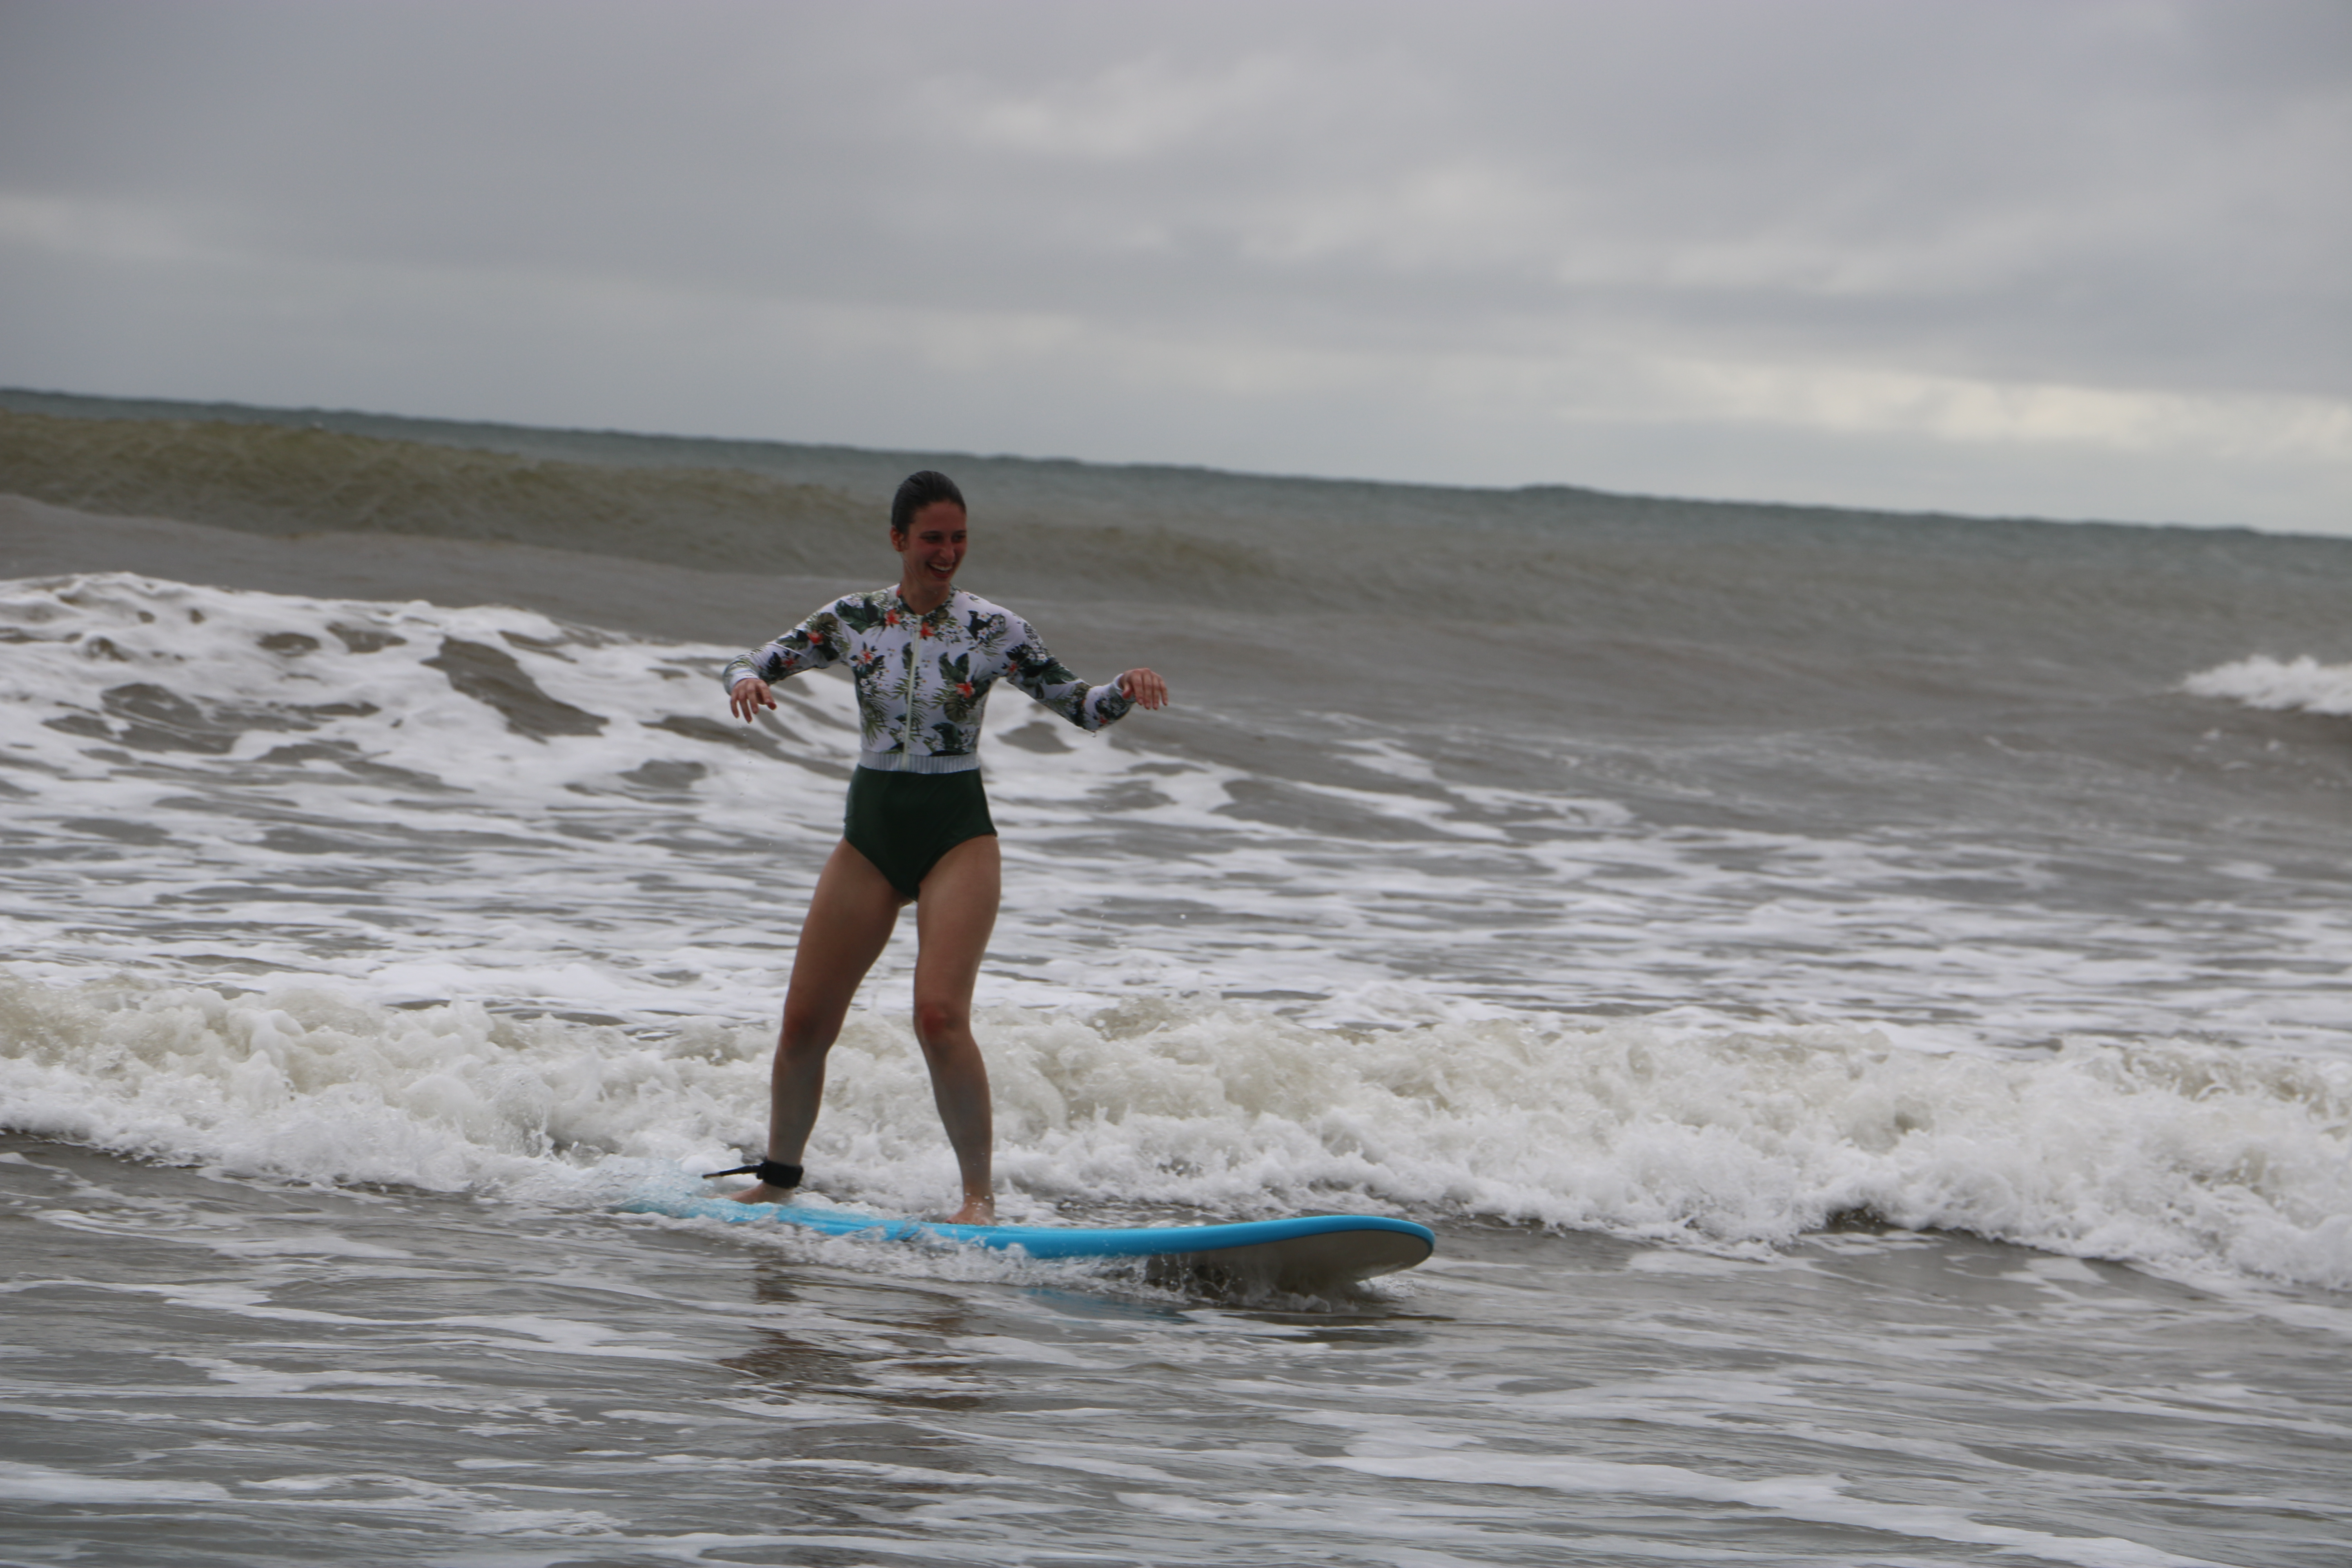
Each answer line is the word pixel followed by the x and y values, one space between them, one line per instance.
pixel 751 695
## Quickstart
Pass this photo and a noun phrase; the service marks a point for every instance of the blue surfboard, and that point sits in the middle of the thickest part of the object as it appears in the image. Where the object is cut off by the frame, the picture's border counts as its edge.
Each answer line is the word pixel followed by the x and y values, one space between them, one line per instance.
pixel 1301 1255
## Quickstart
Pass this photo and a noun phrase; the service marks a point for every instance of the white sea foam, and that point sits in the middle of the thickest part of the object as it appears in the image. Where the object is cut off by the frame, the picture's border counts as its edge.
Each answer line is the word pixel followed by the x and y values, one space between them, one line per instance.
pixel 2181 1155
pixel 431 804
pixel 2299 684
pixel 40 1484
pixel 292 880
pixel 376 697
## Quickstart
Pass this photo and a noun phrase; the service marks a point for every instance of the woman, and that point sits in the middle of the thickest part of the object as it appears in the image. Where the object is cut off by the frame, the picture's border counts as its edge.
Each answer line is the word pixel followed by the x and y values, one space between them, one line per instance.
pixel 924 654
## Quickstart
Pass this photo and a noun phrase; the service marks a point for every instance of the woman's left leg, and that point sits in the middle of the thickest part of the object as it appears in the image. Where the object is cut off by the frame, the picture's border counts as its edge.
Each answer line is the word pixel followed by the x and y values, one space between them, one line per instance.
pixel 955 910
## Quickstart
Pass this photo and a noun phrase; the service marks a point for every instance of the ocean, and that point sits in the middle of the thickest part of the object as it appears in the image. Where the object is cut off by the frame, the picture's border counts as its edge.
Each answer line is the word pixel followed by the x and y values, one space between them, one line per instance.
pixel 1865 1002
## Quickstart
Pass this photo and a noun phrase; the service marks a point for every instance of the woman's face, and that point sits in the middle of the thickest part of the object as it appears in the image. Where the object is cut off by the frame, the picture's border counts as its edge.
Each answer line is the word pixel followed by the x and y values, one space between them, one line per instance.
pixel 932 547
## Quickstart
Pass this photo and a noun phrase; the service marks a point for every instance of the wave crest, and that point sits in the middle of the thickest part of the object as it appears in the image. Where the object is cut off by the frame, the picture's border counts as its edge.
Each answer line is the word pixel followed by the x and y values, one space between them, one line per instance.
pixel 2180 1155
pixel 2301 685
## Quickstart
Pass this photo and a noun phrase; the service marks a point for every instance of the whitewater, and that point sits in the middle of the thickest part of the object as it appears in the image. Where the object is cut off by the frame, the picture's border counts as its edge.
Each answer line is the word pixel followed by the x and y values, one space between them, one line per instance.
pixel 1877 1054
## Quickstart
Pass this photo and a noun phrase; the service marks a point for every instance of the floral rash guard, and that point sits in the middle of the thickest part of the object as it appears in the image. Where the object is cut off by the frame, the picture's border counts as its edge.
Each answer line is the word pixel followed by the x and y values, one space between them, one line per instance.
pixel 923 680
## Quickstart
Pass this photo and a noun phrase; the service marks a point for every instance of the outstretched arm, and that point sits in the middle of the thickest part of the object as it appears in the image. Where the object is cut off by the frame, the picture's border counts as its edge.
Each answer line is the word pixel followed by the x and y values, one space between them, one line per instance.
pixel 1031 667
pixel 815 644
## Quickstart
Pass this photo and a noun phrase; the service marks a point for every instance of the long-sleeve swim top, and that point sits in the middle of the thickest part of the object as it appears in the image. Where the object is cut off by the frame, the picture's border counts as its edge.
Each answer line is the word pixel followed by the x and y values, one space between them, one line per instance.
pixel 923 680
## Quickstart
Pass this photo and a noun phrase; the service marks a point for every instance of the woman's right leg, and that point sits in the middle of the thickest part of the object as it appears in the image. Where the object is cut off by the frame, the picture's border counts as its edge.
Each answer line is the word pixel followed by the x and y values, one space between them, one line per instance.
pixel 850 917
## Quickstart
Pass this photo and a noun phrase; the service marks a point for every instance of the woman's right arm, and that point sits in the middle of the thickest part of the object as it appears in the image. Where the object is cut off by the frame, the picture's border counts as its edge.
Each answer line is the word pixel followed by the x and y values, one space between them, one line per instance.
pixel 815 644
pixel 751 695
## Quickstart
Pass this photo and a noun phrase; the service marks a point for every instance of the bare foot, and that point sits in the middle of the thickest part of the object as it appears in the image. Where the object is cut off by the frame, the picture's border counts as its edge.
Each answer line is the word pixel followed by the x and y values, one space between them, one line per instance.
pixel 760 1192
pixel 980 1210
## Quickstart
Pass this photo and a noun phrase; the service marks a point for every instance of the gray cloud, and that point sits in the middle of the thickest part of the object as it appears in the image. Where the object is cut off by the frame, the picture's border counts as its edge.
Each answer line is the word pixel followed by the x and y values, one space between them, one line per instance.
pixel 2088 258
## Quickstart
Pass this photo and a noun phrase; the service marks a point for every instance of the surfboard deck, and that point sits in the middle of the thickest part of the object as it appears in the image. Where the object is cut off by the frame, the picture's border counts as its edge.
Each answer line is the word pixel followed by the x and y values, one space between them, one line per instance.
pixel 1299 1255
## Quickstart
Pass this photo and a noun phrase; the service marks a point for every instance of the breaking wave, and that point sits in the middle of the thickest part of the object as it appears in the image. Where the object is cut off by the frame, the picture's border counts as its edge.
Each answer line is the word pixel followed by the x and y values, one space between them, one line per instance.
pixel 2301 685
pixel 2179 1155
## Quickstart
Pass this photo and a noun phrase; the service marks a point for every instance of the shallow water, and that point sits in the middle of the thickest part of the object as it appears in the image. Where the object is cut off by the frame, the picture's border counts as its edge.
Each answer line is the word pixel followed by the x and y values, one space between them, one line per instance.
pixel 291 1375
pixel 1864 1001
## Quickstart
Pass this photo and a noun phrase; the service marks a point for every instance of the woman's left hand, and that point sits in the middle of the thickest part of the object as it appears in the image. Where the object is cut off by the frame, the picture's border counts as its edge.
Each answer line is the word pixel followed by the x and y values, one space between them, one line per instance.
pixel 1142 686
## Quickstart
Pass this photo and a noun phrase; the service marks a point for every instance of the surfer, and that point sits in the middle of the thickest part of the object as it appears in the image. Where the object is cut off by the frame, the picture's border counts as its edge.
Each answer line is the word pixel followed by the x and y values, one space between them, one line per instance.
pixel 923 655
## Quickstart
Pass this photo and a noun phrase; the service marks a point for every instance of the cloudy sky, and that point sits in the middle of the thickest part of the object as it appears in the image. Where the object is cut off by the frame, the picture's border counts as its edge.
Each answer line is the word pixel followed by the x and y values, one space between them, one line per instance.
pixel 2080 260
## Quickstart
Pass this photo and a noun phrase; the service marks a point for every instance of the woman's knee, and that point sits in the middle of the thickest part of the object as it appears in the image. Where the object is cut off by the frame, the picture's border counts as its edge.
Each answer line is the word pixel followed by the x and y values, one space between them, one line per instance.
pixel 939 1024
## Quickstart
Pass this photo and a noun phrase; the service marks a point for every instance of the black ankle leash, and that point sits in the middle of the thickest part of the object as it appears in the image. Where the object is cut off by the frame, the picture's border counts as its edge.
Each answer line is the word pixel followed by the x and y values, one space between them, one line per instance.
pixel 767 1171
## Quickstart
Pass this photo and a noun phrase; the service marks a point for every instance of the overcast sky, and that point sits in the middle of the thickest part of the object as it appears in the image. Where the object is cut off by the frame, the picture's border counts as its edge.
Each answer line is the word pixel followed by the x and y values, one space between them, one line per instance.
pixel 2078 259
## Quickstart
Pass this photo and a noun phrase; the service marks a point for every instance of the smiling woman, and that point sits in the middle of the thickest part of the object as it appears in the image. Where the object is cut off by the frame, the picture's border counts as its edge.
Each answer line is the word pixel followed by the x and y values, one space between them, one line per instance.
pixel 917 829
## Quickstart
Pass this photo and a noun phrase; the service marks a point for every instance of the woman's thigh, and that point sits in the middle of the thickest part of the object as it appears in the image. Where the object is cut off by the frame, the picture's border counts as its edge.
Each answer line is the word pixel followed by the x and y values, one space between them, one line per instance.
pixel 850 917
pixel 954 914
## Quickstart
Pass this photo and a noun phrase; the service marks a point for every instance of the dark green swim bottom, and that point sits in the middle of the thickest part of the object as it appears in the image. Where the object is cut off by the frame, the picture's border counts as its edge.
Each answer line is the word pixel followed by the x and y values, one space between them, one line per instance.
pixel 905 822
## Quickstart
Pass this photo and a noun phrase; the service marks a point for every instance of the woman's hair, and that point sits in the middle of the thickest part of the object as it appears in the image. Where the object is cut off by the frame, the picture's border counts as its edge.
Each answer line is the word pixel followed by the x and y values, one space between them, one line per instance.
pixel 917 491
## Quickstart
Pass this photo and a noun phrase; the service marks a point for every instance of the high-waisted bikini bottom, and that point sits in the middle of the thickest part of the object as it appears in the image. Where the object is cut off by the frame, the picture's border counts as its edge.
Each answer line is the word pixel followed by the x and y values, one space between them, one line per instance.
pixel 905 822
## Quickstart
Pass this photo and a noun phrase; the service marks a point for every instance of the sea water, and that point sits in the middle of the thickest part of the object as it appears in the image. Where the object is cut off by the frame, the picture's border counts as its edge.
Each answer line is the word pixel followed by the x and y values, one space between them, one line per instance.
pixel 1864 1002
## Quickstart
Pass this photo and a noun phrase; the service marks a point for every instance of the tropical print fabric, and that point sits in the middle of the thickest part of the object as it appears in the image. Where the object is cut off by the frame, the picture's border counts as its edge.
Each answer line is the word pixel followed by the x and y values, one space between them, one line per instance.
pixel 923 680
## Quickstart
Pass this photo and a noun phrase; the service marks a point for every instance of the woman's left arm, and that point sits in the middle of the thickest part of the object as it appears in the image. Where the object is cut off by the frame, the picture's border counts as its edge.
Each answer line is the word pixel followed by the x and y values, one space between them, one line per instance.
pixel 1030 667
